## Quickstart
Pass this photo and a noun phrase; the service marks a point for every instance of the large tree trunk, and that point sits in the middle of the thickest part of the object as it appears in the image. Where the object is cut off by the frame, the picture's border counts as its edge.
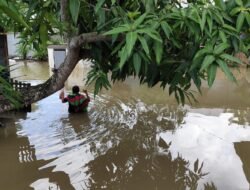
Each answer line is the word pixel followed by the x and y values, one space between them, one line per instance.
pixel 53 84
pixel 65 17
pixel 57 80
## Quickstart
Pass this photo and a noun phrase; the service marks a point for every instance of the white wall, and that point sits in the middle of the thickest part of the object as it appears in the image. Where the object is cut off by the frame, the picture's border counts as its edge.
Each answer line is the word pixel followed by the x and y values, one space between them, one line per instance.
pixel 12 45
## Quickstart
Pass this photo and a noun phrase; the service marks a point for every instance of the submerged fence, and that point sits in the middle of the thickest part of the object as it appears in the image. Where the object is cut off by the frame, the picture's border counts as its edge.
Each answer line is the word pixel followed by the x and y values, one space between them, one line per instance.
pixel 19 86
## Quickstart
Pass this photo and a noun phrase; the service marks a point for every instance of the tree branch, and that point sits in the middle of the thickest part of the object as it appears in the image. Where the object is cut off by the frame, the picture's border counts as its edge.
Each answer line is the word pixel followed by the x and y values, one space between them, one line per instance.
pixel 57 80
pixel 78 41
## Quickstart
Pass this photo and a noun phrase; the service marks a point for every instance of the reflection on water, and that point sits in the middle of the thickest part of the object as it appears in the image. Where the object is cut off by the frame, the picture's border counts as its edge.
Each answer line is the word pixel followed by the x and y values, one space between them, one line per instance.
pixel 29 70
pixel 18 158
pixel 243 151
pixel 131 138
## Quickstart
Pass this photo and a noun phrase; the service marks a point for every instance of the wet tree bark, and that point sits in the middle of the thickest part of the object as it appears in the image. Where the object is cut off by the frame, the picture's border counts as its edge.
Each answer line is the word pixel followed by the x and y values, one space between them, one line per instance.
pixel 57 80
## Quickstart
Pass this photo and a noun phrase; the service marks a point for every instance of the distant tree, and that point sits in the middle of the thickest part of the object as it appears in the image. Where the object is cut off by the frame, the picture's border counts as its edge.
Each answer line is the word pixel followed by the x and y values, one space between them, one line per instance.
pixel 171 42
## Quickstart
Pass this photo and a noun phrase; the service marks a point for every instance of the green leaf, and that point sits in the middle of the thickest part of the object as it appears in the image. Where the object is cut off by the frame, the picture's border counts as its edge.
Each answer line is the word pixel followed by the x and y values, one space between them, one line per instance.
pixel 47 4
pixel 227 17
pixel 176 43
pixel 131 38
pixel 74 6
pixel 101 18
pixel 247 16
pixel 228 27
pixel 239 2
pixel 203 19
pixel 4 3
pixel 158 49
pixel 144 44
pixel 155 24
pixel 197 80
pixel 235 10
pixel 43 33
pixel 171 90
pixel 220 48
pixel 181 96
pixel 223 36
pixel 208 60
pixel 195 63
pixel 152 33
pixel 99 5
pixel 211 74
pixel 139 20
pixel 166 28
pixel 113 2
pixel 2 69
pixel 235 44
pixel 226 70
pixel 194 15
pixel 218 17
pixel 98 85
pixel 137 63
pixel 10 10
pixel 118 47
pixel 230 58
pixel 201 53
pixel 133 14
pixel 240 21
pixel 177 97
pixel 210 23
pixel 221 4
pixel 123 57
pixel 118 30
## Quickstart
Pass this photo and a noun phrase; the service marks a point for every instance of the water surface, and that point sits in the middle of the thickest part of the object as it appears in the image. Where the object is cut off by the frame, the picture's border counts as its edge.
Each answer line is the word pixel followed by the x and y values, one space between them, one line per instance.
pixel 131 138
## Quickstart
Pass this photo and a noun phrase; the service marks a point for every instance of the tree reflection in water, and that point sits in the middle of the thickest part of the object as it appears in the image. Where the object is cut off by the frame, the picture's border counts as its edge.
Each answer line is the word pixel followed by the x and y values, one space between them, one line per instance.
pixel 20 167
pixel 241 116
pixel 142 160
pixel 242 150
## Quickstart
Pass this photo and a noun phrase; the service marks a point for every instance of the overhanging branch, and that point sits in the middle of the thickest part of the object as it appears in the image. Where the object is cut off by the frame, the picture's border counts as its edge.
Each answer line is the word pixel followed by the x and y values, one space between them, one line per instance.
pixel 90 38
pixel 87 38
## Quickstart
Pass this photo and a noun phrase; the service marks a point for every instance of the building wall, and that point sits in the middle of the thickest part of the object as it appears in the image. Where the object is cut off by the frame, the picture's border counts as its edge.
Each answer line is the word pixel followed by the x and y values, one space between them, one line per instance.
pixel 12 45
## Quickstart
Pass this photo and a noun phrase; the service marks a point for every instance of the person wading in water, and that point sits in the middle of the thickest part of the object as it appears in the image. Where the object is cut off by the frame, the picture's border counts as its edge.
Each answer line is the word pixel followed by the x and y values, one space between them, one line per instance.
pixel 77 102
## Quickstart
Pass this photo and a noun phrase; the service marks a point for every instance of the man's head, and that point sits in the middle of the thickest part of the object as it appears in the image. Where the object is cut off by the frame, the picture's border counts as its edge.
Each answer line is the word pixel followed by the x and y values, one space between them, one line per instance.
pixel 75 89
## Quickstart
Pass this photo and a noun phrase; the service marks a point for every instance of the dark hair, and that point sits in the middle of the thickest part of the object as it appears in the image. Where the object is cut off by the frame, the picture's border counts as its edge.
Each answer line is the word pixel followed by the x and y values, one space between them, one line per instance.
pixel 75 89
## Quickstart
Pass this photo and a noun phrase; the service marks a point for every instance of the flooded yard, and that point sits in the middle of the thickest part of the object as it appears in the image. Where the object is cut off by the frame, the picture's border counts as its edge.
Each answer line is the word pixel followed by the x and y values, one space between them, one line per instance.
pixel 132 138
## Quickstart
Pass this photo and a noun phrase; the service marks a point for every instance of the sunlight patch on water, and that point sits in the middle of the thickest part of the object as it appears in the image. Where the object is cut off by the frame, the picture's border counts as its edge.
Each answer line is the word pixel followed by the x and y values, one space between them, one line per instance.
pixel 43 184
pixel 211 139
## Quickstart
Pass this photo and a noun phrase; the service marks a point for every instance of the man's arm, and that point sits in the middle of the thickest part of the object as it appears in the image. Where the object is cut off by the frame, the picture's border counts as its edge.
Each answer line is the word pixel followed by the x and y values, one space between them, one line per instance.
pixel 62 97
pixel 87 95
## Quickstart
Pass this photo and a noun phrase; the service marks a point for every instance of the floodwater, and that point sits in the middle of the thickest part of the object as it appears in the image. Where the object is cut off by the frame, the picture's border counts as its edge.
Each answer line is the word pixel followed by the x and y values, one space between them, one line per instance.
pixel 132 138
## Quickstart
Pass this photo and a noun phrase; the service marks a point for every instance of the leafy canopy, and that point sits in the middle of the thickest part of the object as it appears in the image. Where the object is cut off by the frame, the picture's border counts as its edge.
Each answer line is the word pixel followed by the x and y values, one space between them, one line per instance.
pixel 169 42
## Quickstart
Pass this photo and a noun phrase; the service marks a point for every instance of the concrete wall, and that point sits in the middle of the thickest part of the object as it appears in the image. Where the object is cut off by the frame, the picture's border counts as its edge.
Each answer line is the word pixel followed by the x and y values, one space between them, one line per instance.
pixel 56 55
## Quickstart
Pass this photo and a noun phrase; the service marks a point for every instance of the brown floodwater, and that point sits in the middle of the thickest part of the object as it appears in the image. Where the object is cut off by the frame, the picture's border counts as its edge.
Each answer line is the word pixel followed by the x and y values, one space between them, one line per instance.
pixel 132 138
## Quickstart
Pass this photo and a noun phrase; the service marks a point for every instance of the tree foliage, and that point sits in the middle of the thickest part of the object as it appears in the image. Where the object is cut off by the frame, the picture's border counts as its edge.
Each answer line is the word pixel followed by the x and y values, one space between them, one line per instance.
pixel 6 89
pixel 169 42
